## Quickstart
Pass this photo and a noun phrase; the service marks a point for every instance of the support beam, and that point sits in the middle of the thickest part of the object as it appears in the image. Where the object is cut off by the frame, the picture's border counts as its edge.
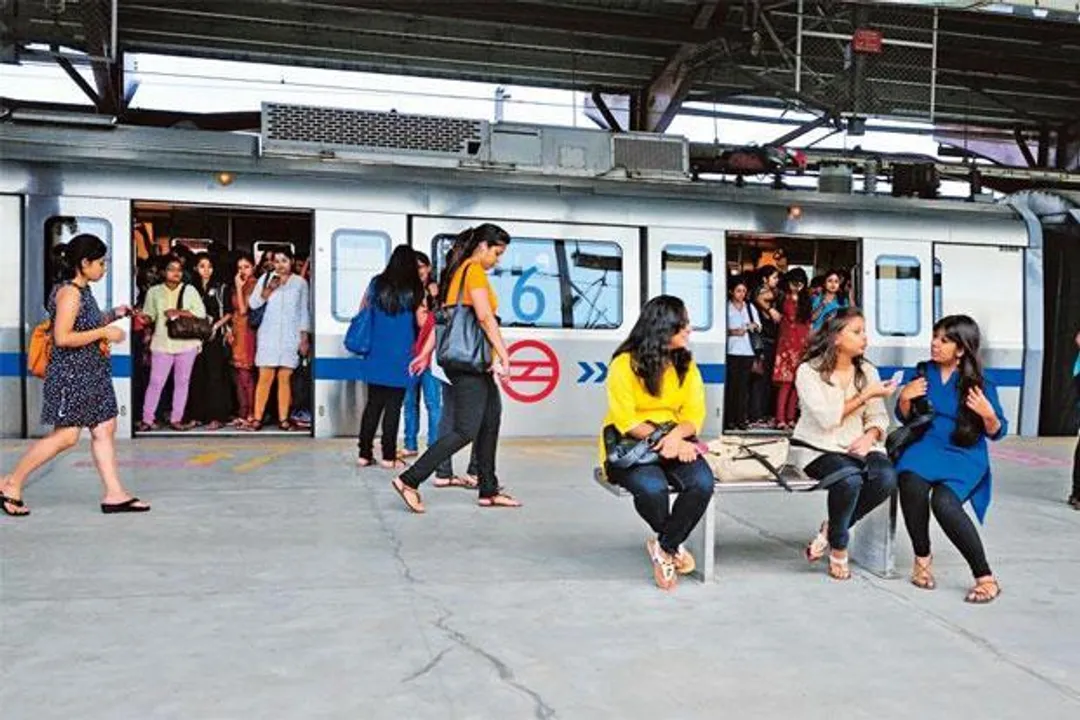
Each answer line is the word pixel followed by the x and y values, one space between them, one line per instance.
pixel 1021 142
pixel 669 88
pixel 78 79
pixel 605 111
pixel 798 132
pixel 1044 146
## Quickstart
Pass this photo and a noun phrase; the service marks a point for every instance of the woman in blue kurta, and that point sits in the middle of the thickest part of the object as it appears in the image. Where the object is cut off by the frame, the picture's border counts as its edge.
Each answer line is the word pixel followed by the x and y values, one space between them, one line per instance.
pixel 950 464
pixel 395 297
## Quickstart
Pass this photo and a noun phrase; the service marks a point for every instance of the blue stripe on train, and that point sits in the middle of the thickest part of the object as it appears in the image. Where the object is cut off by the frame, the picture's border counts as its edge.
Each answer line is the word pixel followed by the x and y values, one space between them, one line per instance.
pixel 325 368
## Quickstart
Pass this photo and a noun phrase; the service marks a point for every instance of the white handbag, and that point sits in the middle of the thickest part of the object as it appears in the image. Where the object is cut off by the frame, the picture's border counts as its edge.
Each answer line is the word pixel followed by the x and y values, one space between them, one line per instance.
pixel 734 458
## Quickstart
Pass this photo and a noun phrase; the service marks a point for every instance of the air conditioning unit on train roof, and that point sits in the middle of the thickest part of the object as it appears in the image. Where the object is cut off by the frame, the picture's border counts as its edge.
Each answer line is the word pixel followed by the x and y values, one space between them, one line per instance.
pixel 550 150
pixel 649 155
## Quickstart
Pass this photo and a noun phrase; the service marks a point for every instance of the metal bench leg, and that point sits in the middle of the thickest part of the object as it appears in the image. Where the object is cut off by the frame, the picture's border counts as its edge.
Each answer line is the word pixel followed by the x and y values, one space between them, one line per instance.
pixel 702 544
pixel 873 541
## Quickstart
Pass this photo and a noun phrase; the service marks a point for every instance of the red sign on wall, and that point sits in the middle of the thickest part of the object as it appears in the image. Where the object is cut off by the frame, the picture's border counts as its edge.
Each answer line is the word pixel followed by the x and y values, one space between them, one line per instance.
pixel 534 371
pixel 867 41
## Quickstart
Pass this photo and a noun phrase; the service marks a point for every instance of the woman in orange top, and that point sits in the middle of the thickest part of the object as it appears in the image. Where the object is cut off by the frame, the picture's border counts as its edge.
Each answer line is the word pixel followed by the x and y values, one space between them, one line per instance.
pixel 242 339
pixel 477 407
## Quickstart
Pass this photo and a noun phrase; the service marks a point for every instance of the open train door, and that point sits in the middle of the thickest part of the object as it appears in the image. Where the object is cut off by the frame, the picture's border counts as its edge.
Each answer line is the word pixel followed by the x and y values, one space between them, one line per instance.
pixel 350 249
pixel 51 221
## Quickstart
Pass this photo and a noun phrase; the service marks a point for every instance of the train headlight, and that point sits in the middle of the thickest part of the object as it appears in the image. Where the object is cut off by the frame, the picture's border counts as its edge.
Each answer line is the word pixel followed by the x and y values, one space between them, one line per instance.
pixel 224 179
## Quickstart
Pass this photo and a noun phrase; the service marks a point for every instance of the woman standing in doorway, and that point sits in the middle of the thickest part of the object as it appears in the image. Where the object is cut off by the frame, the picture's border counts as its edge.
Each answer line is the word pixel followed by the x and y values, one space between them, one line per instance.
pixel 283 336
pixel 78 387
pixel 397 309
pixel 212 403
pixel 843 413
pixel 477 404
pixel 169 299
pixel 241 338
pixel 765 298
pixel 828 302
pixel 741 321
pixel 791 344
pixel 950 464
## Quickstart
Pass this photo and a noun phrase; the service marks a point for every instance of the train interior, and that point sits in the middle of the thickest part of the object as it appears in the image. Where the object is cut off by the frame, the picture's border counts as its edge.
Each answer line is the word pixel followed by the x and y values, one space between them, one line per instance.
pixel 753 404
pixel 1059 411
pixel 225 235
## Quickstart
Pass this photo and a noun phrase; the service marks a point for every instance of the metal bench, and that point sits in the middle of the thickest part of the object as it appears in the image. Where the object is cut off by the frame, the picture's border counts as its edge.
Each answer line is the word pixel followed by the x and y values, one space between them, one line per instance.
pixel 872 540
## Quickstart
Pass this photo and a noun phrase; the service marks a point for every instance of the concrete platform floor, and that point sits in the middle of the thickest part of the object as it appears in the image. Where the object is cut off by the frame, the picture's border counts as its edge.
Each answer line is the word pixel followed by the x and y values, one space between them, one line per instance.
pixel 275 580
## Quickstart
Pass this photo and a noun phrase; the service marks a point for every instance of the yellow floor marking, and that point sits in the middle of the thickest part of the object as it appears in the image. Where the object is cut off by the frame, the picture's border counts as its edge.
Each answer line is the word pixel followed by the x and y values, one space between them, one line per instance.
pixel 261 460
pixel 209 458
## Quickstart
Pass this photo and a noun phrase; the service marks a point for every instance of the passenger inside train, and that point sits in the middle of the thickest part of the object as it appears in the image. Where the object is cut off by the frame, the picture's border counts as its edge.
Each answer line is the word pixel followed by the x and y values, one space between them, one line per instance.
pixel 218 257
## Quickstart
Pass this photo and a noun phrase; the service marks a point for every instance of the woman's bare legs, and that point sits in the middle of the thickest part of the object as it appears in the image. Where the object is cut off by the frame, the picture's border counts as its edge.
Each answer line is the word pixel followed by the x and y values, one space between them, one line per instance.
pixel 103 448
pixel 41 452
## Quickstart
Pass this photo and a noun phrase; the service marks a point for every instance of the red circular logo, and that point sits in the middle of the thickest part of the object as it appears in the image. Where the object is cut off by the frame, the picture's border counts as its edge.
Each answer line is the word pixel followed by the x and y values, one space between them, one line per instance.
pixel 534 371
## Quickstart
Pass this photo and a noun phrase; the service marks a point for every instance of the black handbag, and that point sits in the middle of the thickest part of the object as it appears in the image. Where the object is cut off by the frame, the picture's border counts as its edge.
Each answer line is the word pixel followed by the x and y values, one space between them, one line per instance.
pixel 187 327
pixel 623 453
pixel 914 425
pixel 461 345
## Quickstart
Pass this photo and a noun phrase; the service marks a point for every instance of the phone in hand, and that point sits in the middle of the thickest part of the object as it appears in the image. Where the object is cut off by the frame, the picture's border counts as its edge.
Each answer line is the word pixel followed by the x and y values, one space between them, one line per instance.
pixel 897 377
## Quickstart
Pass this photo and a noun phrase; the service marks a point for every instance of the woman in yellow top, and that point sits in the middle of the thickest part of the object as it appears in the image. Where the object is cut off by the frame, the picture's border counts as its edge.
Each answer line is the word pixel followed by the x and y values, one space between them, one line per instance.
pixel 653 381
pixel 474 397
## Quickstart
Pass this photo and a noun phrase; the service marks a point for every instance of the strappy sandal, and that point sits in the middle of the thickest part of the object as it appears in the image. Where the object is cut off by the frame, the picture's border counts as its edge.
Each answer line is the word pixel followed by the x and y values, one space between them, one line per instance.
pixel 146 427
pixel 664 572
pixel 393 464
pixel 838 568
pixel 498 500
pixel 409 495
pixel 364 462
pixel 984 592
pixel 285 425
pixel 819 545
pixel 921 576
pixel 458 481
pixel 5 501
pixel 128 506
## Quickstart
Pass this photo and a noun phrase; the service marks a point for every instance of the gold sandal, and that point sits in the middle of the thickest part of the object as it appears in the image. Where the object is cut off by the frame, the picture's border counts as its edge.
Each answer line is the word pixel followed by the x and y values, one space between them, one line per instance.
pixel 984 592
pixel 921 575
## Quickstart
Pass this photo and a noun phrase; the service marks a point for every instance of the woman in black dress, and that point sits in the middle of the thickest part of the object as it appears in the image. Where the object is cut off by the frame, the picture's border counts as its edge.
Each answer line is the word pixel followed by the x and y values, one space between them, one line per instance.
pixel 211 402
pixel 78 381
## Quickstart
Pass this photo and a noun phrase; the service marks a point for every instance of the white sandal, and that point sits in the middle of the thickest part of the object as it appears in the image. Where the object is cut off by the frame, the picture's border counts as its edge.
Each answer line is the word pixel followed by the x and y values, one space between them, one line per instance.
pixel 819 545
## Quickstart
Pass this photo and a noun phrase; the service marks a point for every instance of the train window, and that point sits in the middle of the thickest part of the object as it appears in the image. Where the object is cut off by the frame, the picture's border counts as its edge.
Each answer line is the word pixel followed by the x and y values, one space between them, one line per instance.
pixel 938 300
pixel 356 256
pixel 686 273
pixel 554 283
pixel 898 295
pixel 61 229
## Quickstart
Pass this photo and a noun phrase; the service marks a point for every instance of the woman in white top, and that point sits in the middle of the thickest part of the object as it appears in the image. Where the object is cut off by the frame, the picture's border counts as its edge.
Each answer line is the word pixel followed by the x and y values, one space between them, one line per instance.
pixel 742 319
pixel 841 398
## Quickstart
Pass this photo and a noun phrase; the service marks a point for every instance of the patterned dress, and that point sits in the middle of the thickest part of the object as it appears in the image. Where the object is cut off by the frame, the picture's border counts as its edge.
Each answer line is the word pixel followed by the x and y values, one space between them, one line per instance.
pixel 78 381
pixel 792 343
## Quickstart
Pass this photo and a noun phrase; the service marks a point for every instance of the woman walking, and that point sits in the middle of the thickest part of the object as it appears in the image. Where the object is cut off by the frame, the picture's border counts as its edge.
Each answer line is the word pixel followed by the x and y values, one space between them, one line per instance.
pixel 843 414
pixel 397 309
pixel 284 335
pixel 78 387
pixel 475 396
pixel 949 465
pixel 427 385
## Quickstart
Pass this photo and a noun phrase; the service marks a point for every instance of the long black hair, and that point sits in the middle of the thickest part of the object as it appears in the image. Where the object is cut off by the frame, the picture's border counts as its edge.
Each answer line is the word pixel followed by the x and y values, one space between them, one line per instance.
pixel 821 350
pixel 398 288
pixel 964 331
pixel 649 343
pixel 464 246
pixel 804 306
pixel 68 259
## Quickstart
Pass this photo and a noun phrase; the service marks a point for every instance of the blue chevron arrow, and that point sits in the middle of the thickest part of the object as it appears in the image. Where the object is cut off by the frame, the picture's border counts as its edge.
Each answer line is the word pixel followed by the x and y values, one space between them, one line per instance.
pixel 597 375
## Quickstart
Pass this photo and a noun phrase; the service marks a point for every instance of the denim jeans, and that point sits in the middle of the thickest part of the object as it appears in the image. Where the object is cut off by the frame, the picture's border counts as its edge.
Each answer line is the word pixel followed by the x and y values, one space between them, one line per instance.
pixel 855 496
pixel 649 485
pixel 431 389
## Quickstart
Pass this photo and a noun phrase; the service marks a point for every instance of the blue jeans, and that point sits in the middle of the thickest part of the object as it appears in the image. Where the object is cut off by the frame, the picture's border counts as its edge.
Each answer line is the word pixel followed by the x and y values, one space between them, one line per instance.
pixel 649 485
pixel 852 498
pixel 431 388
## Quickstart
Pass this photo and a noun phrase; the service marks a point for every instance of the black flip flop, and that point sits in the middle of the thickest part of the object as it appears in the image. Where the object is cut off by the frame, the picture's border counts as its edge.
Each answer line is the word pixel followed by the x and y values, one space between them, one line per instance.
pixel 5 501
pixel 128 506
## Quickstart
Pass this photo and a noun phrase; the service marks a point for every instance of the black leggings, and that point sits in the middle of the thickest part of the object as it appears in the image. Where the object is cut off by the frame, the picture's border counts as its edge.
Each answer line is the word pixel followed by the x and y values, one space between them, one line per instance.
pixel 917 498
pixel 382 402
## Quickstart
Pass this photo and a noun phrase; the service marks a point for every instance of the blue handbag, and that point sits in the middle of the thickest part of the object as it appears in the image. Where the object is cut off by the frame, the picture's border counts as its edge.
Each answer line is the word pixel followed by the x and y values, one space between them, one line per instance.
pixel 358 336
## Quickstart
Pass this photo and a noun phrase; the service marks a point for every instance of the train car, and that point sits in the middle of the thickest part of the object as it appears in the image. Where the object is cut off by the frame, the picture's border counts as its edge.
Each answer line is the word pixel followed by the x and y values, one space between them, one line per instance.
pixel 587 251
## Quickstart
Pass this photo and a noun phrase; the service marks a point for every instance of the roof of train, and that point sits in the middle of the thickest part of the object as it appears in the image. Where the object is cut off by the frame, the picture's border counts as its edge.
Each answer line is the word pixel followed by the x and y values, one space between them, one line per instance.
pixel 207 151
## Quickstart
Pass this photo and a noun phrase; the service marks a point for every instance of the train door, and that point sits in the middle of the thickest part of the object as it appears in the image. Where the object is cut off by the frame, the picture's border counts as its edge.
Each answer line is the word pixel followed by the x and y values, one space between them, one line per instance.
pixel 897 294
pixel 12 366
pixel 983 281
pixel 568 294
pixel 353 247
pixel 684 263
pixel 52 221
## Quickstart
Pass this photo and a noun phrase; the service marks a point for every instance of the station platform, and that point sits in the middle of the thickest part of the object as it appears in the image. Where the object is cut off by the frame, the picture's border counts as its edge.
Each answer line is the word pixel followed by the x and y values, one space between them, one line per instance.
pixel 274 579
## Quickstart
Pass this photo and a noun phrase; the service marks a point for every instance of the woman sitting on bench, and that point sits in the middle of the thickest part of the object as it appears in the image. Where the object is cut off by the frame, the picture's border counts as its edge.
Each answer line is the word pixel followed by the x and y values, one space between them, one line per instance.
pixel 843 411
pixel 654 384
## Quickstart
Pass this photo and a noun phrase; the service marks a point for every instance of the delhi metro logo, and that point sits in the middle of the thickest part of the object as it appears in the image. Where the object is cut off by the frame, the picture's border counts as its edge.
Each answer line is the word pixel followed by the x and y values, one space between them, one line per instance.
pixel 534 371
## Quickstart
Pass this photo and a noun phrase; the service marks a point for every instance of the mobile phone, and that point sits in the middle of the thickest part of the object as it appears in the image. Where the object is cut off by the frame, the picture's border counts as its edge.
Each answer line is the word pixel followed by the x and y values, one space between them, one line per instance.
pixel 897 377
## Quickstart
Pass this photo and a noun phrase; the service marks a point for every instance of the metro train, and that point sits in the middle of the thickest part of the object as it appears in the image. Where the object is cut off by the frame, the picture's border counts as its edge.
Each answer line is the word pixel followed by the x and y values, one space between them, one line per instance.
pixel 586 253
